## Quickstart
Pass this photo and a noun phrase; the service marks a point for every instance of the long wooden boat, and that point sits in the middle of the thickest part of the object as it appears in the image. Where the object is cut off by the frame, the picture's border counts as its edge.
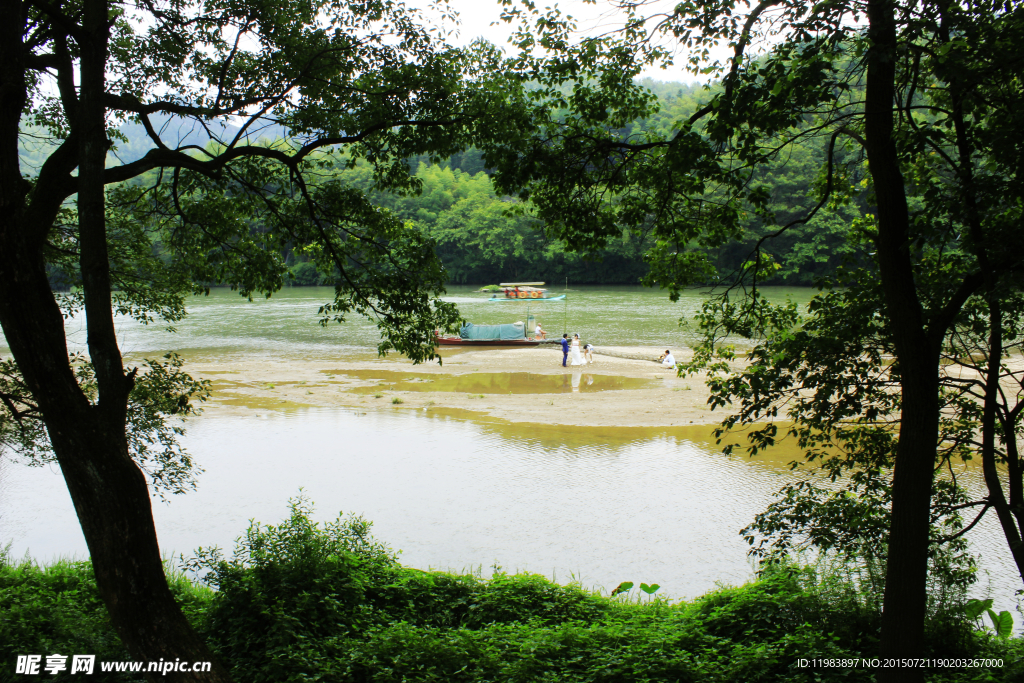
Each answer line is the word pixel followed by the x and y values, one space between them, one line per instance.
pixel 524 291
pixel 491 335
pixel 459 341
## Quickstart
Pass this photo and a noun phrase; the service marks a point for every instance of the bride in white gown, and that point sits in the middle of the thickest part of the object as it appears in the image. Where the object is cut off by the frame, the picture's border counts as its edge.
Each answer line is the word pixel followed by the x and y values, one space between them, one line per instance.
pixel 575 350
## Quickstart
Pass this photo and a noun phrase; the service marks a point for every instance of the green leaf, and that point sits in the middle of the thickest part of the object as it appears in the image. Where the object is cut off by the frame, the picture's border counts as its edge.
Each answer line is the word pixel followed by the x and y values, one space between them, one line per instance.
pixel 974 608
pixel 651 589
pixel 622 588
pixel 1002 623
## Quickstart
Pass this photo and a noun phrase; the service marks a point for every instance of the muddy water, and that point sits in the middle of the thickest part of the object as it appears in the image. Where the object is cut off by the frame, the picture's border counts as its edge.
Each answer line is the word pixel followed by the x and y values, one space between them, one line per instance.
pixel 601 505
pixel 225 326
pixel 491 382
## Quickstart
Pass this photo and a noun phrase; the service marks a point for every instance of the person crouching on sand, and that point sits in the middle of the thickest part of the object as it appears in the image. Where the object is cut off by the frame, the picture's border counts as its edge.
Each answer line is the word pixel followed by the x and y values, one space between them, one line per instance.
pixel 667 359
pixel 588 353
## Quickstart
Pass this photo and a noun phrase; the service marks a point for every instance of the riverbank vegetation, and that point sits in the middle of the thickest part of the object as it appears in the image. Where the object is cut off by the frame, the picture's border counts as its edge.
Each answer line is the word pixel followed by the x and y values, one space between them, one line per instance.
pixel 916 113
pixel 909 128
pixel 480 237
pixel 303 601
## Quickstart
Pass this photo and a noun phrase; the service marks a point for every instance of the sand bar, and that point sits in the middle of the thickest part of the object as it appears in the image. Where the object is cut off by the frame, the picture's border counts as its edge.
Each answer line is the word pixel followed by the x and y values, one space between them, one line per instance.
pixel 624 386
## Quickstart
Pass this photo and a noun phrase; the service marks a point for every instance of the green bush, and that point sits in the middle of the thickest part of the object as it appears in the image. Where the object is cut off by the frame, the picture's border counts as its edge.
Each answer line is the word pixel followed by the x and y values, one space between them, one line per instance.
pixel 438 599
pixel 305 274
pixel 302 601
pixel 783 600
pixel 402 652
pixel 57 609
pixel 289 591
pixel 529 597
pixel 54 609
pixel 430 599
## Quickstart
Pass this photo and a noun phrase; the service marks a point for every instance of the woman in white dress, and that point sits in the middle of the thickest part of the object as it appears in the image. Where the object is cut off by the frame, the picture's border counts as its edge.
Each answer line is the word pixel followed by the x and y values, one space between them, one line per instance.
pixel 575 350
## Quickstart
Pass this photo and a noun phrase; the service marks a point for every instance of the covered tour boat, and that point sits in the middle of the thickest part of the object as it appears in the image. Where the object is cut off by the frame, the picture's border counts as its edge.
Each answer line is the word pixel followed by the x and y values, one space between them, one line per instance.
pixel 513 334
pixel 524 291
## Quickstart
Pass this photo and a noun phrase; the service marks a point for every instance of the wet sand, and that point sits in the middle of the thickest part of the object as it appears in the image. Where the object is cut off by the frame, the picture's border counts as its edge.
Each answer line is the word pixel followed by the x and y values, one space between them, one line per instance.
pixel 624 386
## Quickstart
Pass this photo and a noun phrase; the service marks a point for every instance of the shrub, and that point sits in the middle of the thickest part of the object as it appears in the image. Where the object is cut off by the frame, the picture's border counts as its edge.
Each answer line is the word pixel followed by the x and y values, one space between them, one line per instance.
pixel 432 599
pixel 53 609
pixel 290 591
pixel 401 653
pixel 57 609
pixel 529 597
pixel 765 610
pixel 306 275
pixel 302 601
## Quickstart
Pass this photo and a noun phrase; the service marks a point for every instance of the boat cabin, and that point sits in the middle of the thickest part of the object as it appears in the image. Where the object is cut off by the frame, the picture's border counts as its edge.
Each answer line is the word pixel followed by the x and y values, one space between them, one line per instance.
pixel 523 290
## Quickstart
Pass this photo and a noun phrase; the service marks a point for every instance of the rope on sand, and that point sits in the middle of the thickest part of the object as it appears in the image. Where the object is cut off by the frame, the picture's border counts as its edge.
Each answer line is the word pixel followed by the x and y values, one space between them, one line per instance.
pixel 614 354
pixel 627 356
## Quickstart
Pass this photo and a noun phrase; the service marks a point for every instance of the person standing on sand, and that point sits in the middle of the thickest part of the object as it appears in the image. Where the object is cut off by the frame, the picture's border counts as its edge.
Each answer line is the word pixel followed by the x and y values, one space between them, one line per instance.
pixel 565 348
pixel 576 358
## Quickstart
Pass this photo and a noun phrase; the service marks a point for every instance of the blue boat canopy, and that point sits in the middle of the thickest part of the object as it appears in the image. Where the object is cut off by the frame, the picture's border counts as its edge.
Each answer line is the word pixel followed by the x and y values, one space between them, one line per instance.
pixel 497 332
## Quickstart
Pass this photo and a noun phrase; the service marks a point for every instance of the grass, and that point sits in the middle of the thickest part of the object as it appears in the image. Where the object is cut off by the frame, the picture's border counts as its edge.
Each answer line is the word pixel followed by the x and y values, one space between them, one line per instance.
pixel 303 601
pixel 57 608
pixel 396 401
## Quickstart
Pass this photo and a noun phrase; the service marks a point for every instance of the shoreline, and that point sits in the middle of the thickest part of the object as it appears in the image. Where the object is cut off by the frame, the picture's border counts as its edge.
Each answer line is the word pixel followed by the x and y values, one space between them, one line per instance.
pixel 619 389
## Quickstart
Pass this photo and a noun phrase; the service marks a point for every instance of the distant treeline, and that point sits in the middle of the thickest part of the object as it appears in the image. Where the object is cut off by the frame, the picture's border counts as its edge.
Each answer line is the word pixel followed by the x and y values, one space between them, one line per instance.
pixel 481 240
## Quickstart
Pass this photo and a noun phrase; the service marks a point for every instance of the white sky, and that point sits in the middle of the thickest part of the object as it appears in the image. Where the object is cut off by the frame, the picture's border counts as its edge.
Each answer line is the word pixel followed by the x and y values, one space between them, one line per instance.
pixel 478 15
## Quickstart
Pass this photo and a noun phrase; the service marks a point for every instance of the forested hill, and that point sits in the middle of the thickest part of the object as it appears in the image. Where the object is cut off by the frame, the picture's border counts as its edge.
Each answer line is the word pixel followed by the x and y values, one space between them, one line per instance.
pixel 480 241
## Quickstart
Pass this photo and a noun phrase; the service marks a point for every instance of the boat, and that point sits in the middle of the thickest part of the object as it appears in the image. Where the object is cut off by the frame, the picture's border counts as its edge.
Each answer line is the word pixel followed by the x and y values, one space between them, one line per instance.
pixel 491 335
pixel 459 341
pixel 524 291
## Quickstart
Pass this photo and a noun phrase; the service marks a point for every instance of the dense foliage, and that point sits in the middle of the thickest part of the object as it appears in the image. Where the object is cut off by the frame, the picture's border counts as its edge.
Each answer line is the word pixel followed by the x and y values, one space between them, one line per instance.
pixel 482 236
pixel 303 601
pixel 913 105
pixel 374 81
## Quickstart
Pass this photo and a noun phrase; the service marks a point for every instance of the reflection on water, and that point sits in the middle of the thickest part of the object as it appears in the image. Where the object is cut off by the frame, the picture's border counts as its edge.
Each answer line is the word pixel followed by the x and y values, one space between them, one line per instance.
pixel 492 382
pixel 603 505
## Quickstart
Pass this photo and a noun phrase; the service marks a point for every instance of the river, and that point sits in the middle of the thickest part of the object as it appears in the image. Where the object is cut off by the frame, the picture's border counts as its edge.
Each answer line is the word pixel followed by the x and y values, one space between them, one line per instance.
pixel 596 505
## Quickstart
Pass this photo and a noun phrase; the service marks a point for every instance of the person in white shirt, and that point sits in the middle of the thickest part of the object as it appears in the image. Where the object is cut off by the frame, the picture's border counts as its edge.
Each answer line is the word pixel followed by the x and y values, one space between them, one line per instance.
pixel 588 353
pixel 668 360
pixel 539 332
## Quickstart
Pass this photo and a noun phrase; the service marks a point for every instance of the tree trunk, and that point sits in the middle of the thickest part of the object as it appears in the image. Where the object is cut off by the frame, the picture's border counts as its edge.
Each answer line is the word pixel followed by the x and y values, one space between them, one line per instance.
pixel 996 495
pixel 107 488
pixel 917 353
